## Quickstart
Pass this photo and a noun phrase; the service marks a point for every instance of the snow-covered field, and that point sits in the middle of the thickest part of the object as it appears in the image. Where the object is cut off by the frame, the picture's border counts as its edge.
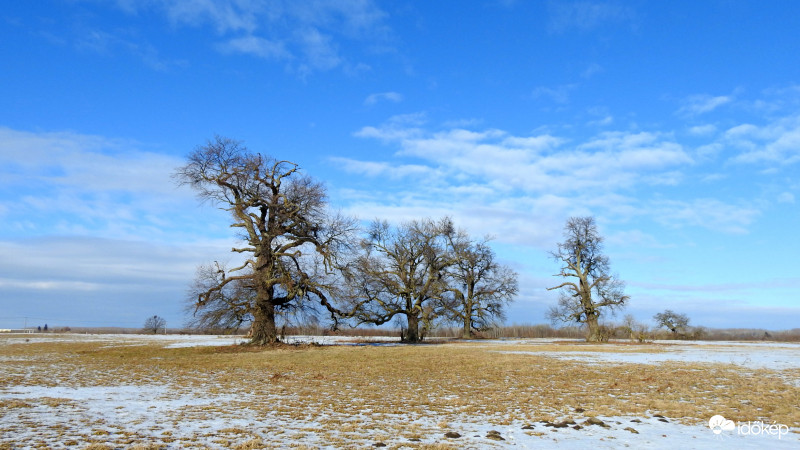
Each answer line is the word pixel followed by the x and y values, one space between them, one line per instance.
pixel 767 355
pixel 158 411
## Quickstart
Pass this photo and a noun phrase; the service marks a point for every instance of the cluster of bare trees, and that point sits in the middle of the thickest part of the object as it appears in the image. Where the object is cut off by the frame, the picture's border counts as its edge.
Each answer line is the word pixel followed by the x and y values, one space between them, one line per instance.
pixel 298 258
pixel 425 271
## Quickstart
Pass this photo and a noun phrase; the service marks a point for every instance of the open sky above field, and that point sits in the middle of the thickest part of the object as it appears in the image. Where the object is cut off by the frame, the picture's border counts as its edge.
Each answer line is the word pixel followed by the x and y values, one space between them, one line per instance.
pixel 676 124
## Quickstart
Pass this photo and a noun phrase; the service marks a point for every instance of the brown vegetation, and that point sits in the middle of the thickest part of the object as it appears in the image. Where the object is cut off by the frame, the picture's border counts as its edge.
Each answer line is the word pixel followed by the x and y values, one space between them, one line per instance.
pixel 357 395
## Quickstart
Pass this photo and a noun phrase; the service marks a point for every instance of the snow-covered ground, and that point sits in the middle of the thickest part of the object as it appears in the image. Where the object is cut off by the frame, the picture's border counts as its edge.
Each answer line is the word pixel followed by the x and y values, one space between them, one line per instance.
pixel 70 413
pixel 754 355
pixel 178 341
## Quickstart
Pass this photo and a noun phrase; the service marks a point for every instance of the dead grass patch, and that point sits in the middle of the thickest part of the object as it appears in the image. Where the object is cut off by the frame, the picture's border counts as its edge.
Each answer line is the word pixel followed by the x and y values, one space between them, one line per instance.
pixel 375 393
pixel 14 403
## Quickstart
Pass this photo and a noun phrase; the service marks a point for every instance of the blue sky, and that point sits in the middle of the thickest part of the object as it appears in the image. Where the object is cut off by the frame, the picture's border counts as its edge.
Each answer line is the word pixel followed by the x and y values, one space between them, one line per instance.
pixel 676 124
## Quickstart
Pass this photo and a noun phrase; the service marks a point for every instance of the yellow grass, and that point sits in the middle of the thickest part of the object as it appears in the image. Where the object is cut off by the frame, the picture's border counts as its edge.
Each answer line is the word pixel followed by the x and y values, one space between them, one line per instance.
pixel 343 392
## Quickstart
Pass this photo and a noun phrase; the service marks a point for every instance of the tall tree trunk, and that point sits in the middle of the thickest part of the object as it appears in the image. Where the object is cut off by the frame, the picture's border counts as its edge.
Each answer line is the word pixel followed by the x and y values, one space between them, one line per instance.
pixel 594 334
pixel 466 333
pixel 412 335
pixel 264 330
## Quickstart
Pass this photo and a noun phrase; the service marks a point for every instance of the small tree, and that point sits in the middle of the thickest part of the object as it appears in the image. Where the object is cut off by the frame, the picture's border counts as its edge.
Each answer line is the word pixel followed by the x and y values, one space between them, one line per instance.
pixel 635 330
pixel 594 289
pixel 677 323
pixel 478 286
pixel 154 324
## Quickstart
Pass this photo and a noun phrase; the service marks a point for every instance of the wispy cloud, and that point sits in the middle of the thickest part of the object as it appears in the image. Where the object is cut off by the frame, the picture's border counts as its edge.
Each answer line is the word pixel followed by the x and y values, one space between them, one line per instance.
pixel 777 142
pixel 306 34
pixel 517 180
pixel 109 44
pixel 558 94
pixel 588 15
pixel 257 46
pixel 531 163
pixel 703 130
pixel 701 104
pixel 708 213
pixel 372 99
pixel 384 169
pixel 786 197
pixel 68 183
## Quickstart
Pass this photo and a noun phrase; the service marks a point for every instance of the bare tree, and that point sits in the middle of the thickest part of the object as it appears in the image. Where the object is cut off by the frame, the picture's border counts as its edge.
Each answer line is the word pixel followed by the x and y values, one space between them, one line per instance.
pixel 594 288
pixel 290 241
pixel 479 287
pixel 400 272
pixel 635 330
pixel 675 322
pixel 153 324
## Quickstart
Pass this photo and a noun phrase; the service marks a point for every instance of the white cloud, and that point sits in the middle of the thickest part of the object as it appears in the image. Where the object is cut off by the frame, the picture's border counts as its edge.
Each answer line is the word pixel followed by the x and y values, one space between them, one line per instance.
pixel 84 162
pixel 48 285
pixel 588 15
pixel 306 34
pixel 68 183
pixel 777 142
pixel 592 70
pixel 634 238
pixel 499 182
pixel 708 213
pixel 387 96
pixel 319 49
pixel 256 46
pixel 786 197
pixel 701 104
pixel 703 130
pixel 559 94
pixel 225 15
pixel 383 169
pixel 605 121
pixel 541 143
pixel 531 163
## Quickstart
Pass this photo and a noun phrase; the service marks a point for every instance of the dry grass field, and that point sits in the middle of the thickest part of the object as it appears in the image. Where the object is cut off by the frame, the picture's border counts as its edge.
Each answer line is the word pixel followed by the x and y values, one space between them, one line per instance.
pixel 139 393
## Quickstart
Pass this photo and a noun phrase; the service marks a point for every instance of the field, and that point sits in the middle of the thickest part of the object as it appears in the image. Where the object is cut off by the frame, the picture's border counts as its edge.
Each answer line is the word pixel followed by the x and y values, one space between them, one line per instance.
pixel 141 392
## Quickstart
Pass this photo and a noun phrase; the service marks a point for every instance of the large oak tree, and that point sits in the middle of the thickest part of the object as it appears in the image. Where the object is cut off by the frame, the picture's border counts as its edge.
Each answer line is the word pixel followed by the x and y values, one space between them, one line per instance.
pixel 401 272
pixel 592 288
pixel 290 242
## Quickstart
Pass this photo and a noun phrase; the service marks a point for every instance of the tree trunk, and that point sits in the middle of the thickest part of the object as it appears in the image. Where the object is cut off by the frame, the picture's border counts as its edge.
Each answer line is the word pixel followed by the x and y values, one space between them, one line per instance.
pixel 412 335
pixel 466 333
pixel 594 329
pixel 264 330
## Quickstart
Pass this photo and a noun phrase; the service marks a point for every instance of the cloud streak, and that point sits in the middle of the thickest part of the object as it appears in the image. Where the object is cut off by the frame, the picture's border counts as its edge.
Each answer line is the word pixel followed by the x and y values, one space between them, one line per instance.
pixel 68 183
pixel 372 99
pixel 702 104
pixel 588 15
pixel 303 35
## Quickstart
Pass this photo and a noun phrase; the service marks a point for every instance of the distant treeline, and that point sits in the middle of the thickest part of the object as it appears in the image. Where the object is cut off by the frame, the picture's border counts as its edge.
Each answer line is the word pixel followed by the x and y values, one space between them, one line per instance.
pixel 510 331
